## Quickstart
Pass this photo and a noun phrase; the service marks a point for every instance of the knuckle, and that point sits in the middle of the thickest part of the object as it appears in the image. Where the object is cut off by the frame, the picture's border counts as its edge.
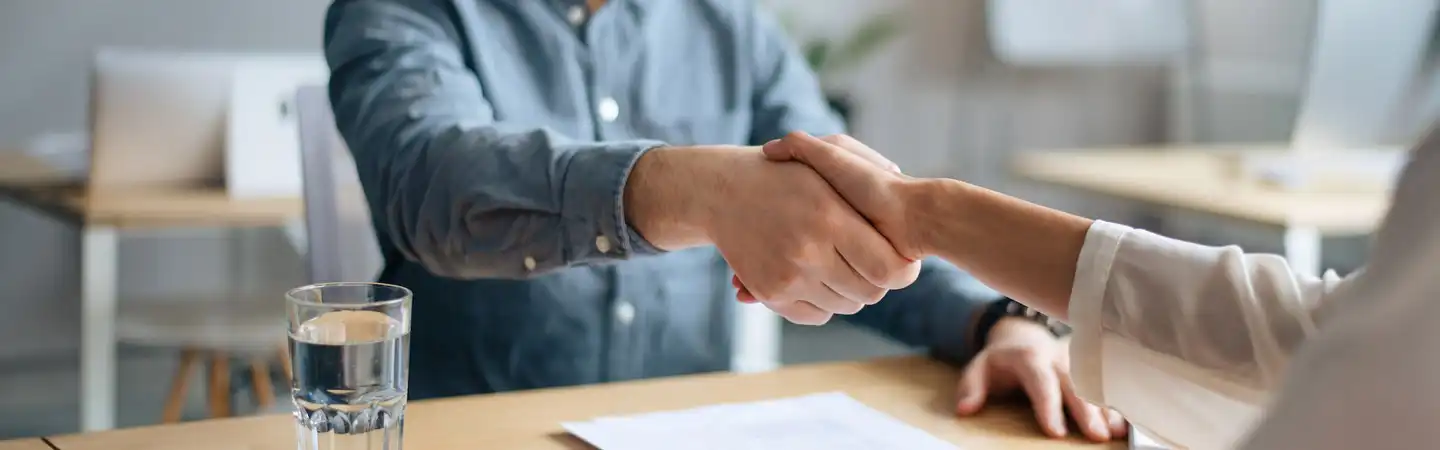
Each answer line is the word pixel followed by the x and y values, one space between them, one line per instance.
pixel 874 296
pixel 849 308
pixel 819 319
pixel 901 274
pixel 1024 354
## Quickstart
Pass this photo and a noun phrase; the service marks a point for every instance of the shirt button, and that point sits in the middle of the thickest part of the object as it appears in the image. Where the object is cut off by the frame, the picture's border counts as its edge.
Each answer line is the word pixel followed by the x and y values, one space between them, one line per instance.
pixel 576 15
pixel 608 109
pixel 529 263
pixel 625 312
pixel 602 244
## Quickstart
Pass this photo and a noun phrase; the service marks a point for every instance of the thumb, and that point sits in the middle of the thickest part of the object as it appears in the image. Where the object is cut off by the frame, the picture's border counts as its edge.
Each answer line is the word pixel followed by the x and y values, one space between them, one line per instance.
pixel 971 395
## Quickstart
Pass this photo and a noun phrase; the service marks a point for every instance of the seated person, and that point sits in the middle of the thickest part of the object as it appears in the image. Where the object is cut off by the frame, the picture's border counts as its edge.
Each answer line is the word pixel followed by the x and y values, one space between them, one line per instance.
pixel 547 177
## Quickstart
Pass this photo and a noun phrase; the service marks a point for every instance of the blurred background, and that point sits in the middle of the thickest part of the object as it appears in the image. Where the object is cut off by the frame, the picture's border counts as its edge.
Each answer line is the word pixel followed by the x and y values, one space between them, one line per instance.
pixel 953 88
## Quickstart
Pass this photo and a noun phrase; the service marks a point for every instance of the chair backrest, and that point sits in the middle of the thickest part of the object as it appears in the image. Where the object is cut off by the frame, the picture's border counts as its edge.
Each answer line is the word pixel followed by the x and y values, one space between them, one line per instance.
pixel 340 239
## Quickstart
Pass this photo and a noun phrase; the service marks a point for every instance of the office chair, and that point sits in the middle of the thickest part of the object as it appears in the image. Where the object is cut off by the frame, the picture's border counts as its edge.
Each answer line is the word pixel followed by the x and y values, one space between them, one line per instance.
pixel 339 238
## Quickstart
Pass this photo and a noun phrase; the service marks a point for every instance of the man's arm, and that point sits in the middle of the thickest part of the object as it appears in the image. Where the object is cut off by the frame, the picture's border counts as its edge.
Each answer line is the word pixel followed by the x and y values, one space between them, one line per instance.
pixel 468 196
pixel 457 191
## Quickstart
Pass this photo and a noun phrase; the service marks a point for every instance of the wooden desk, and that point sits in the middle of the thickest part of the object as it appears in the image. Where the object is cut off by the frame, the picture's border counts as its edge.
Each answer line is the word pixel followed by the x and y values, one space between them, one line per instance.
pixel 24 444
pixel 101 216
pixel 913 389
pixel 1207 180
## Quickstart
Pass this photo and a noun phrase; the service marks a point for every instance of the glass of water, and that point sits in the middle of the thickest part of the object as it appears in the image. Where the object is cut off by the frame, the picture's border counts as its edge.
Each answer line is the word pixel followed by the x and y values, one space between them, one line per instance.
pixel 350 355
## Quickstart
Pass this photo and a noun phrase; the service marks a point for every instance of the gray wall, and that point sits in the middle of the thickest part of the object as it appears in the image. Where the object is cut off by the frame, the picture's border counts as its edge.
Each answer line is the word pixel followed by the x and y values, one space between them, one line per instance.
pixel 45 46
pixel 936 103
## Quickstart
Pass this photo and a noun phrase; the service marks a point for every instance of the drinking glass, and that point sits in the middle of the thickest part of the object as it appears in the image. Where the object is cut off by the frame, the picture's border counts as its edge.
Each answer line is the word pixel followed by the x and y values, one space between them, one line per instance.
pixel 350 355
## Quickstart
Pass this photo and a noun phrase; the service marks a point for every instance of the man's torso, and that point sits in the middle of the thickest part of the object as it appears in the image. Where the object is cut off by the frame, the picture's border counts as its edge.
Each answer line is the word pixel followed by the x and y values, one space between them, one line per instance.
pixel 665 70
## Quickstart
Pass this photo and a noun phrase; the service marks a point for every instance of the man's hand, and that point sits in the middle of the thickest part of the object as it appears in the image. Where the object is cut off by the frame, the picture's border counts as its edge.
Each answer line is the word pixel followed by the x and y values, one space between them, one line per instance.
pixel 793 241
pixel 871 183
pixel 1022 356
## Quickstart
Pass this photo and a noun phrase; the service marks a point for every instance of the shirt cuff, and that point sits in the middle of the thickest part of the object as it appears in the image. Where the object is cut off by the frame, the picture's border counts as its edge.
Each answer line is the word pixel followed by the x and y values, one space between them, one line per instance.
pixel 593 209
pixel 1087 296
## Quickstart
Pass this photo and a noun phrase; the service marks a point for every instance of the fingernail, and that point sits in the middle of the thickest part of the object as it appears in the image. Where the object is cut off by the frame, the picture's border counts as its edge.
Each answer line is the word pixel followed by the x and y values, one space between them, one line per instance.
pixel 1059 426
pixel 1101 430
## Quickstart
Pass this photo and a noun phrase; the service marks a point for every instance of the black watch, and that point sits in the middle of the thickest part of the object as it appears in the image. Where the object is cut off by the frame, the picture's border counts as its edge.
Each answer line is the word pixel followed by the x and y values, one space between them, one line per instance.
pixel 1007 307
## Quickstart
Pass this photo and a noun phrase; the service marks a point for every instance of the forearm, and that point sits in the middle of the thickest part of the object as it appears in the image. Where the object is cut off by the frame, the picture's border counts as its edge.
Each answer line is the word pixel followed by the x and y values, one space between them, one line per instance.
pixel 1022 249
pixel 483 203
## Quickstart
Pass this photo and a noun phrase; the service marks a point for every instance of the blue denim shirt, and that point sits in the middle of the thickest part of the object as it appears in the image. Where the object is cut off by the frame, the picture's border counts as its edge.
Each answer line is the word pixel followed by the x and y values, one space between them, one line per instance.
pixel 494 138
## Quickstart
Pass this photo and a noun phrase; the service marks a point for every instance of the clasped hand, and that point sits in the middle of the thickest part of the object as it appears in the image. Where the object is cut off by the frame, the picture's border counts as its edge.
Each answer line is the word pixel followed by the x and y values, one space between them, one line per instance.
pixel 882 229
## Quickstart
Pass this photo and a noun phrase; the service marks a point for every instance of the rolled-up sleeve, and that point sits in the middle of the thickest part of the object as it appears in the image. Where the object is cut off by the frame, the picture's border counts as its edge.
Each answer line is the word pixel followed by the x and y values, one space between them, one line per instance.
pixel 937 311
pixel 451 188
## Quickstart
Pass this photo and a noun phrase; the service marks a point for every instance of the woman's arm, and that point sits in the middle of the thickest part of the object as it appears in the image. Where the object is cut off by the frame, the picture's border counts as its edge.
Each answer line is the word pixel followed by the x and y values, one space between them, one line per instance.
pixel 1183 338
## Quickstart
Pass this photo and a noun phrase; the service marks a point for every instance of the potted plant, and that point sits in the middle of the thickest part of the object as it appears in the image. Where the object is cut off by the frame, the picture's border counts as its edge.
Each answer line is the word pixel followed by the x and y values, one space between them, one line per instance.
pixel 832 57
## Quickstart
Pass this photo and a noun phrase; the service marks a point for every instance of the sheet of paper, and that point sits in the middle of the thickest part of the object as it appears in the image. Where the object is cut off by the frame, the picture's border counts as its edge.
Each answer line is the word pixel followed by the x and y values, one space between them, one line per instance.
pixel 830 421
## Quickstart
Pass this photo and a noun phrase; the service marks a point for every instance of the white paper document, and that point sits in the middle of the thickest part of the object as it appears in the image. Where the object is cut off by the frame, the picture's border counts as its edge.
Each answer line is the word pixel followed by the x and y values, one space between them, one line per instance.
pixel 830 421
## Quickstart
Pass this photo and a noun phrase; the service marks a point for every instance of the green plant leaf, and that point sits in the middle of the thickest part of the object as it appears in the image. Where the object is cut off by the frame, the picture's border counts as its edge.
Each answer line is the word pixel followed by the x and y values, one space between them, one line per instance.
pixel 817 53
pixel 869 38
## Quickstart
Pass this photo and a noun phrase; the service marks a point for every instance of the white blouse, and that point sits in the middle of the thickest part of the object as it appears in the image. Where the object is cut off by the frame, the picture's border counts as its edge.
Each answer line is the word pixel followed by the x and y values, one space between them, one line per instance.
pixel 1211 347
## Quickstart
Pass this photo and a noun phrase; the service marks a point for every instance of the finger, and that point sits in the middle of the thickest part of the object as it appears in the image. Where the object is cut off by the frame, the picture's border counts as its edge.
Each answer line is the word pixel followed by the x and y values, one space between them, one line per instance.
pixel 742 293
pixel 1043 388
pixel 1088 417
pixel 860 149
pixel 825 298
pixel 851 284
pixel 973 389
pixel 799 312
pixel 1118 427
pixel 874 258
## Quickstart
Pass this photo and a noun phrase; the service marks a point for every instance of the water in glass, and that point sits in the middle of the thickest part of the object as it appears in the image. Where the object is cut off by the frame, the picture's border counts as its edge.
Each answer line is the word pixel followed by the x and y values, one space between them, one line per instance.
pixel 349 381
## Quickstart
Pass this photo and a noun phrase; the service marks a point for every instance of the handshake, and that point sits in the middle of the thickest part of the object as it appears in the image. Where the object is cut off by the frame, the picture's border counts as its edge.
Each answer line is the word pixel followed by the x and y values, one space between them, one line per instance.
pixel 813 227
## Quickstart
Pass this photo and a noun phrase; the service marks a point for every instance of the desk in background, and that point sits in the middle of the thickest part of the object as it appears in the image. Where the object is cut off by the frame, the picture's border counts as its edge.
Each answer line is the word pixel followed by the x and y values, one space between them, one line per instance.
pixel 916 390
pixel 101 217
pixel 24 444
pixel 1208 180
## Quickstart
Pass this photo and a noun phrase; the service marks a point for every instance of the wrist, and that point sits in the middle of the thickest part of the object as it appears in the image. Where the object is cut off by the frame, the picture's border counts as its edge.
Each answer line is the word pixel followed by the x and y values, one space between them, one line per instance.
pixel 667 197
pixel 1017 328
pixel 927 204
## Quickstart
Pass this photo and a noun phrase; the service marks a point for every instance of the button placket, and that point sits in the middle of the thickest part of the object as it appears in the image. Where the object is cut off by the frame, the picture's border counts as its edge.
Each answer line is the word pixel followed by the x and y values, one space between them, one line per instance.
pixel 607 109
pixel 576 15
pixel 624 312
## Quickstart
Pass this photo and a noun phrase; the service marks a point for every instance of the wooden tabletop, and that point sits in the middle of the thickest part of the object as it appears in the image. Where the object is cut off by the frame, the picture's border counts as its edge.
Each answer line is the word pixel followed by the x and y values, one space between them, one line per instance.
pixel 916 390
pixel 30 181
pixel 24 444
pixel 1206 180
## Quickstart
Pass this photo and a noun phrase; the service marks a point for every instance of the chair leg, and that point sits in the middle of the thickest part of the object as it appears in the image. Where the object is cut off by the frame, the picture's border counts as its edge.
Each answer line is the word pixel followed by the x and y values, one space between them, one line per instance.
pixel 179 386
pixel 260 382
pixel 285 362
pixel 219 384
